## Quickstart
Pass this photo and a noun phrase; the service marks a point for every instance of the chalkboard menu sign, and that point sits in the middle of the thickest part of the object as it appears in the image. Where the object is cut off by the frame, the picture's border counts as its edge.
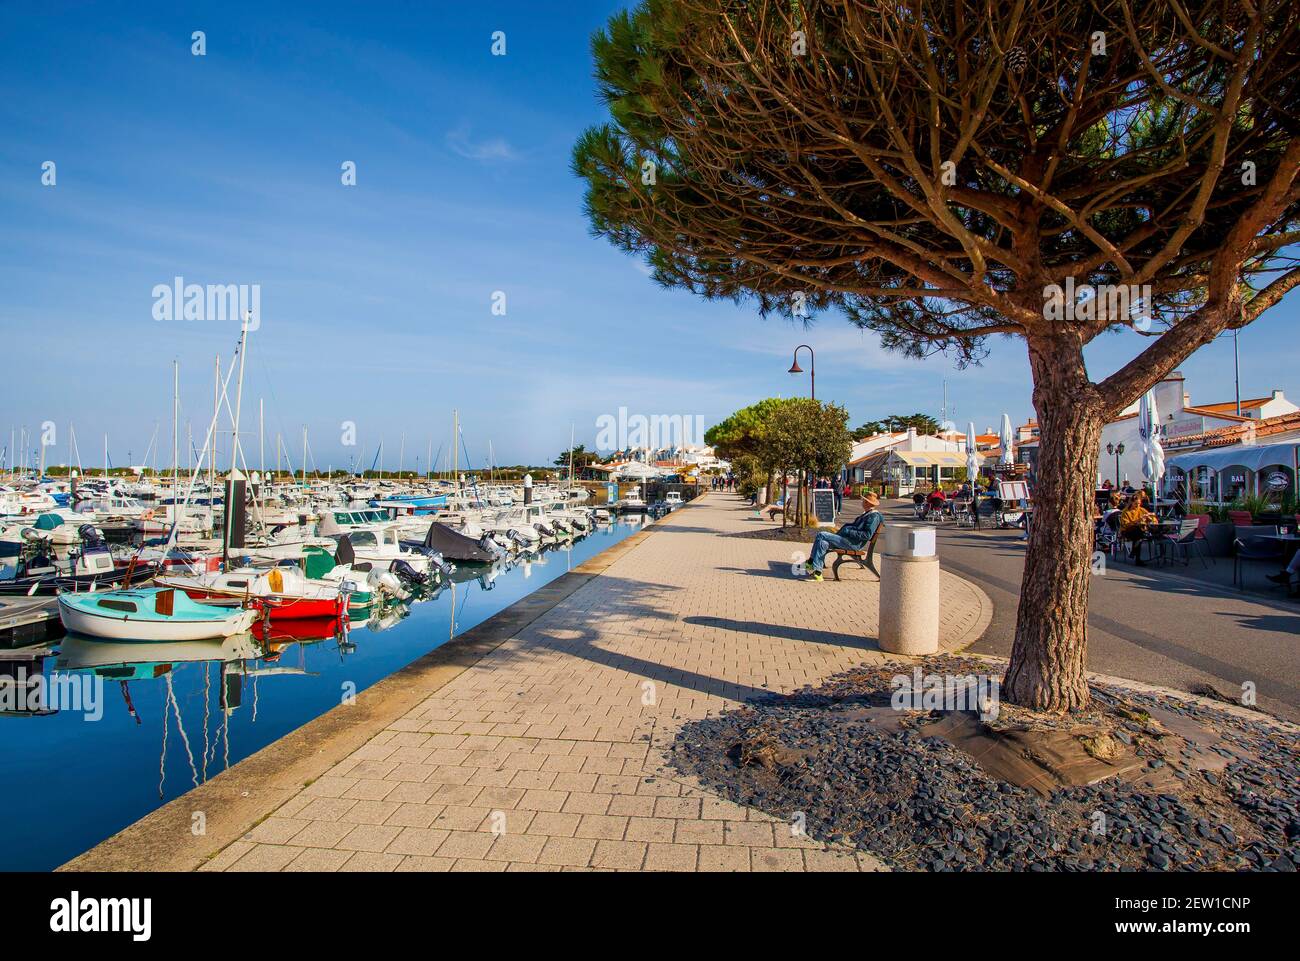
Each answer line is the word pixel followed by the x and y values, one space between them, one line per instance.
pixel 823 505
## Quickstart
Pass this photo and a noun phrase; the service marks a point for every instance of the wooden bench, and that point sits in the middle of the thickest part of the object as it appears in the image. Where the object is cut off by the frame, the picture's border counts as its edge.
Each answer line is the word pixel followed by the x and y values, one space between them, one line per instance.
pixel 866 558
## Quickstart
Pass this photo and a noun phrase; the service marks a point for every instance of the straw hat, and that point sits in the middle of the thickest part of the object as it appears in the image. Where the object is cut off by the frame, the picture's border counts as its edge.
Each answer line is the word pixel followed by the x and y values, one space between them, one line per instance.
pixel 870 498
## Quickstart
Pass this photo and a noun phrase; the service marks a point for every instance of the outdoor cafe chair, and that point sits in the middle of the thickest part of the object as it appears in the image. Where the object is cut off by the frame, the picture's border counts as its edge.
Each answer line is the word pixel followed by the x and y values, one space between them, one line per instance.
pixel 961 511
pixel 1255 547
pixel 1189 536
pixel 1108 535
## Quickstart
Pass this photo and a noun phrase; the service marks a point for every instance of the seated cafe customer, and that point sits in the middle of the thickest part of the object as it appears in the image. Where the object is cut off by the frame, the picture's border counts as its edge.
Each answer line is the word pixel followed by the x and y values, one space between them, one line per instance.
pixel 1290 574
pixel 1134 522
pixel 853 536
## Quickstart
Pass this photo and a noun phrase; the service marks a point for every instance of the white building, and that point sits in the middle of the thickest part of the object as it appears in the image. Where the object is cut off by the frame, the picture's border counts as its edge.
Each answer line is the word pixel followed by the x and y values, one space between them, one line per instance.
pixel 1179 418
pixel 907 459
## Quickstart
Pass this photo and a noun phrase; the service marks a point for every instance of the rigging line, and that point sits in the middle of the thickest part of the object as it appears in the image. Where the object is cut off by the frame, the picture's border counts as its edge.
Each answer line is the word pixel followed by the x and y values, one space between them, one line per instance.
pixel 275 400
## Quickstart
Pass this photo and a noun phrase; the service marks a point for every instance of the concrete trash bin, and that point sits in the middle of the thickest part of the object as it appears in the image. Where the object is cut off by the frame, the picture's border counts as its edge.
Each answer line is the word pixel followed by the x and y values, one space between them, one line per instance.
pixel 909 591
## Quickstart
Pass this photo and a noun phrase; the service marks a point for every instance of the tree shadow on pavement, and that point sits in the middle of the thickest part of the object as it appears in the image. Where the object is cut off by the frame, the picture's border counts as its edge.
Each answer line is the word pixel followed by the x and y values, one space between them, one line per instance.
pixel 806 634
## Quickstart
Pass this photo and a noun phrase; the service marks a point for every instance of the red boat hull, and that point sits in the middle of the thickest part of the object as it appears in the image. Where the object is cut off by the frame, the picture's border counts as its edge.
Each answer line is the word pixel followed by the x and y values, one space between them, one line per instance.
pixel 281 608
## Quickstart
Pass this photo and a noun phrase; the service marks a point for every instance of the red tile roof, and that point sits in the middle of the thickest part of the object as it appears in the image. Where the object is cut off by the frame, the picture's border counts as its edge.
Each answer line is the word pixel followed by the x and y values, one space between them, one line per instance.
pixel 1236 433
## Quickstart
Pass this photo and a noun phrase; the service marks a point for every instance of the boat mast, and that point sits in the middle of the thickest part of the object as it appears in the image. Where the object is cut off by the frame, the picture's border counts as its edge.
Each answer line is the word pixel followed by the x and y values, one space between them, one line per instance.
pixel 401 456
pixel 304 456
pixel 229 512
pixel 570 456
pixel 261 455
pixel 455 448
pixel 176 433
pixel 216 415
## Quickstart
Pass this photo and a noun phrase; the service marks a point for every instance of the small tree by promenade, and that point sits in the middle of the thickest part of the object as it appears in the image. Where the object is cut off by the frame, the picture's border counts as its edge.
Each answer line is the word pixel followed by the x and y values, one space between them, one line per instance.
pixel 949 172
pixel 776 435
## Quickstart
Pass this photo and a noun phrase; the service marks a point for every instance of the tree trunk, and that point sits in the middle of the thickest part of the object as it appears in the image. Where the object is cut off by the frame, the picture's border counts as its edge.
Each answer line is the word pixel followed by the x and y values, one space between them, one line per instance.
pixel 1048 658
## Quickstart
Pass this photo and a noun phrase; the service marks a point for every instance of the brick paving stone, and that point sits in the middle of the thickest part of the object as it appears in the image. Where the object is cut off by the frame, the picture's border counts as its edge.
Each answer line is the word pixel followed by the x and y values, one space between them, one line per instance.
pixel 714 857
pixel 266 857
pixel 368 837
pixel 671 857
pixel 550 730
pixel 372 861
pixel 567 851
pixel 423 841
pixel 276 830
pixel 318 859
pixel 618 854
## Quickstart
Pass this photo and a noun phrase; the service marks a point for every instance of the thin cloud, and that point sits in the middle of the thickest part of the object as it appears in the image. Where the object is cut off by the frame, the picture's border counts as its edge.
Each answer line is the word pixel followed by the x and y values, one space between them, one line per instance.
pixel 490 150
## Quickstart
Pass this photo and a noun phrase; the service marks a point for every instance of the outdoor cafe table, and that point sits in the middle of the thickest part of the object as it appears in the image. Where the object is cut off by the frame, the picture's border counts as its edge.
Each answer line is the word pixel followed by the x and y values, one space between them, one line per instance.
pixel 1158 532
pixel 1290 542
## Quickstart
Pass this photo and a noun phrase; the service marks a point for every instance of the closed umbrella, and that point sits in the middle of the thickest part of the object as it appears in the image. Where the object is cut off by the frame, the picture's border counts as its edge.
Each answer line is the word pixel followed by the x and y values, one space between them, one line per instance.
pixel 972 457
pixel 1153 455
pixel 1008 440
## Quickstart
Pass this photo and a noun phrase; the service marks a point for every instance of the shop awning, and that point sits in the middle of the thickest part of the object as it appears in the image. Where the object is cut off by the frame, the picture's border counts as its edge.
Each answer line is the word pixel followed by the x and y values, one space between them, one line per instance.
pixel 1250 456
pixel 931 458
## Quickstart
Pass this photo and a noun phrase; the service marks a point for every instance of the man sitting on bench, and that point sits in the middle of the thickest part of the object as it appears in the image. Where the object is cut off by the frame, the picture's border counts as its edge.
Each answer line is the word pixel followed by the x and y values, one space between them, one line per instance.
pixel 853 536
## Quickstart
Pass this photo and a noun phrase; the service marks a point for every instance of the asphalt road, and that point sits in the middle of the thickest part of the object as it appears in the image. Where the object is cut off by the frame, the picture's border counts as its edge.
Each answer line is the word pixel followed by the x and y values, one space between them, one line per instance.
pixel 1149 624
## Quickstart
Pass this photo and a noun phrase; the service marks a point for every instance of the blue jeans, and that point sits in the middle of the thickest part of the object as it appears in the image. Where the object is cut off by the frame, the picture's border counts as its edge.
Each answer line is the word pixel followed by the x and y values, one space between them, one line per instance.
pixel 825 542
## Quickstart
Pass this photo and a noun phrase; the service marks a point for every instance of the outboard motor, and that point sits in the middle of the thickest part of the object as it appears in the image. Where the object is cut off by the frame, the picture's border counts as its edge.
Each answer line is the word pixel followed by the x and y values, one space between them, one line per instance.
pixel 408 574
pixel 488 544
pixel 90 539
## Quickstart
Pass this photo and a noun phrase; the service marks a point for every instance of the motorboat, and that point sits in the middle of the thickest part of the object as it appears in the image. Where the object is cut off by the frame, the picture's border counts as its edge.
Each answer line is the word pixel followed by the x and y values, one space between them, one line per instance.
pixel 39 573
pixel 286 593
pixel 377 543
pixel 150 615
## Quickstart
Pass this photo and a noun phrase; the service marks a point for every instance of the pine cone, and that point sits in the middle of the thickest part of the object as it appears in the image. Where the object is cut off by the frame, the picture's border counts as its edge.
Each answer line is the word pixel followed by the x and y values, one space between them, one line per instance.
pixel 1017 60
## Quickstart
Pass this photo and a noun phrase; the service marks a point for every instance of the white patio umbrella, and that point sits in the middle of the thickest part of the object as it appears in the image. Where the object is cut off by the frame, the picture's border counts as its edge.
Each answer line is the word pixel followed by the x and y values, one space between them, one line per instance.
pixel 635 470
pixel 1008 439
pixel 972 456
pixel 1153 455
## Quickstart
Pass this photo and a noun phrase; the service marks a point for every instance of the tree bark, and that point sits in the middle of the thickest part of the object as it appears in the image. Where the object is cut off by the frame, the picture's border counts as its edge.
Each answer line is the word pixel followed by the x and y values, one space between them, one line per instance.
pixel 1048 658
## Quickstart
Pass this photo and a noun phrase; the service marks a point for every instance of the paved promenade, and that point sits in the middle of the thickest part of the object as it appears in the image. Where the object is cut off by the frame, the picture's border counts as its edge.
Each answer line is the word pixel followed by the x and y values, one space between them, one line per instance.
pixel 547 753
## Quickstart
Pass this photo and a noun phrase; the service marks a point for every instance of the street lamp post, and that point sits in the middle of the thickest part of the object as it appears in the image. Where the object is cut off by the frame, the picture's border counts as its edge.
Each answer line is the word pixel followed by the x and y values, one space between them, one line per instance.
pixel 812 381
pixel 1117 450
pixel 812 367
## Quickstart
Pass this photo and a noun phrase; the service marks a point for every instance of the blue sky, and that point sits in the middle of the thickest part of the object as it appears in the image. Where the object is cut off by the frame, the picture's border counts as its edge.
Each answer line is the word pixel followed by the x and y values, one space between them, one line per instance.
pixel 376 299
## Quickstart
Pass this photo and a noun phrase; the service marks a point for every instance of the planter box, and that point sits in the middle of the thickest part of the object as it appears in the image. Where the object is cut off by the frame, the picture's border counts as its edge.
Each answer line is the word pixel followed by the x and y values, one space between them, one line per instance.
pixel 1218 539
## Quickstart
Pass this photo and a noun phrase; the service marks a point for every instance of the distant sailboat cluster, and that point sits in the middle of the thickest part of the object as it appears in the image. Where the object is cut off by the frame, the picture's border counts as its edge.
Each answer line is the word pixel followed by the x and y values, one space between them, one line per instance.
pixel 206 553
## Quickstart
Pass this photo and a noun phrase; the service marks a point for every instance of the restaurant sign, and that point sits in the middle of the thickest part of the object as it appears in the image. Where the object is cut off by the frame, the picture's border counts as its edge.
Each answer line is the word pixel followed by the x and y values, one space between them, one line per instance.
pixel 1279 480
pixel 1184 428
